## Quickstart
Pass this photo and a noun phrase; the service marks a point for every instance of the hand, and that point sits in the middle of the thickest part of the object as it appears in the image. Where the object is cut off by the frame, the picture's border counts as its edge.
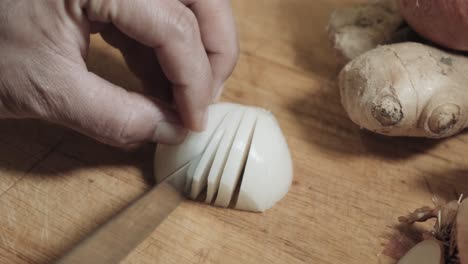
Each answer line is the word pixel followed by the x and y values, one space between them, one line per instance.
pixel 43 74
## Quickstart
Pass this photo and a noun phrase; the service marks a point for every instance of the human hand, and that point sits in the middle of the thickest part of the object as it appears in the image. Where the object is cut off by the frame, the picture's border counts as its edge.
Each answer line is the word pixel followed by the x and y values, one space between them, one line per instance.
pixel 43 74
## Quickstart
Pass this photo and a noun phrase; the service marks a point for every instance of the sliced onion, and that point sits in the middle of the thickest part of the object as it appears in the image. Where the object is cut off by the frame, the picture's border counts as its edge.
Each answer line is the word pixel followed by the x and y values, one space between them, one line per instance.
pixel 236 159
pixel 243 149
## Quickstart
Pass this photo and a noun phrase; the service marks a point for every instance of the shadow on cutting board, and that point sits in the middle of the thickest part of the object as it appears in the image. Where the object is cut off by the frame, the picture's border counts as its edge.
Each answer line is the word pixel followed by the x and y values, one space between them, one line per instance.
pixel 26 145
pixel 43 154
pixel 40 157
pixel 319 115
pixel 321 120
pixel 445 185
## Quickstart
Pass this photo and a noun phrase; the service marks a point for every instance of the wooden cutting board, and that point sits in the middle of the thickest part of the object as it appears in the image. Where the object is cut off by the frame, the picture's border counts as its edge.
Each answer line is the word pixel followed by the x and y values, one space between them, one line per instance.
pixel 349 186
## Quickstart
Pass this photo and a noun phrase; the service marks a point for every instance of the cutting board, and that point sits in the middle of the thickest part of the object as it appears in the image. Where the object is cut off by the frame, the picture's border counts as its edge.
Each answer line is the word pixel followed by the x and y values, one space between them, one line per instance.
pixel 349 185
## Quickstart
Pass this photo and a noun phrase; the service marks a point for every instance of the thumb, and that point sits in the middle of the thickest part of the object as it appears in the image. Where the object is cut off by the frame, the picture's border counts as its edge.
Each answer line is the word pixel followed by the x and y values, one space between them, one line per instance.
pixel 112 115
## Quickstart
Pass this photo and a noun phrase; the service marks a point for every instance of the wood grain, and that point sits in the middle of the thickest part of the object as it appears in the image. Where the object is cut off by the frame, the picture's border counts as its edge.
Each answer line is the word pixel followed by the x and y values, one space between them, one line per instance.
pixel 349 186
pixel 111 242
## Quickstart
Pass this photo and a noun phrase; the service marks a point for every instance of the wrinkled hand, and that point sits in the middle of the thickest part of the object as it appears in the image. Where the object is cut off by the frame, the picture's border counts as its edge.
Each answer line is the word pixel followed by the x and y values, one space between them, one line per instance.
pixel 43 74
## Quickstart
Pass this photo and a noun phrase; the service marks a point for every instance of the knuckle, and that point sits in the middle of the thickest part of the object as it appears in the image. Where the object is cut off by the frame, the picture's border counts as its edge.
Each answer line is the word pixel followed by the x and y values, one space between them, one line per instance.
pixel 117 139
pixel 102 10
pixel 122 126
pixel 121 132
pixel 185 24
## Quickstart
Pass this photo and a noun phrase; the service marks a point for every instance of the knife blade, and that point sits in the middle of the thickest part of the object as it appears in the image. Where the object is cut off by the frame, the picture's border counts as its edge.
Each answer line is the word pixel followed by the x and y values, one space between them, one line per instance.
pixel 113 241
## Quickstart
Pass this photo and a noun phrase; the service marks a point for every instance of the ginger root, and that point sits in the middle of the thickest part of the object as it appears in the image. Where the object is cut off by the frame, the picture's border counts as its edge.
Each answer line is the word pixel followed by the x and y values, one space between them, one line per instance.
pixel 406 89
pixel 403 89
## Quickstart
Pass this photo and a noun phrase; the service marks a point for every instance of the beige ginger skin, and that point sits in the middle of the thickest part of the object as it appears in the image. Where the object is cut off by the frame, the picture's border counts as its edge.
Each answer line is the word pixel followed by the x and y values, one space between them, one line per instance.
pixel 406 89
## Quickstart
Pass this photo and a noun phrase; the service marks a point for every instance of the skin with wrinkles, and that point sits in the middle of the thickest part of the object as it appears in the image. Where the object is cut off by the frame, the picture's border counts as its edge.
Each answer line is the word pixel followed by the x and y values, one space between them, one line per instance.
pixel 442 21
pixel 43 74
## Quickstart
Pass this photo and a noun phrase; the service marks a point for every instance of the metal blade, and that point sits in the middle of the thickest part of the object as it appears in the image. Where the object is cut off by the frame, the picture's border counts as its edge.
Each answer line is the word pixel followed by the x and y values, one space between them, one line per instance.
pixel 113 241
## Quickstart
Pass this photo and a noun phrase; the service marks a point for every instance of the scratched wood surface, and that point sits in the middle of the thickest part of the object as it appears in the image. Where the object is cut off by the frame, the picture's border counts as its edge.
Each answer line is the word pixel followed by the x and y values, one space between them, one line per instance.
pixel 349 186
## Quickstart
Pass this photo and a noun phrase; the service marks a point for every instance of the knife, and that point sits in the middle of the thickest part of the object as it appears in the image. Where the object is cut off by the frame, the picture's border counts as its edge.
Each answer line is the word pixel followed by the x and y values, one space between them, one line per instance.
pixel 113 241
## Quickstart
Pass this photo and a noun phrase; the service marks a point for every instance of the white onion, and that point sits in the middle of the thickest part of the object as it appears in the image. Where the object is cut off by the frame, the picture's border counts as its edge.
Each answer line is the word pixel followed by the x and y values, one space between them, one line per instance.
pixel 236 159
pixel 230 125
pixel 242 149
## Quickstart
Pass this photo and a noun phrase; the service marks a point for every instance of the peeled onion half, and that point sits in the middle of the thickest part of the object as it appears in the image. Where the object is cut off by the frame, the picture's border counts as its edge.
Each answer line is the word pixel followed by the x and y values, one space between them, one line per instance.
pixel 240 160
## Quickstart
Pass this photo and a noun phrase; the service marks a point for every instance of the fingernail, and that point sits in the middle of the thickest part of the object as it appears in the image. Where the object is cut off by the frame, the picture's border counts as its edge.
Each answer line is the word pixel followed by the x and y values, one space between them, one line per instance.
pixel 169 133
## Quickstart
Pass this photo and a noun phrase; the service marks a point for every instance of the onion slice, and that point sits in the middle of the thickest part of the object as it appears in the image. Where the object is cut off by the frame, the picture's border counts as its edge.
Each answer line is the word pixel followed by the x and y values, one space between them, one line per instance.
pixel 237 158
pixel 268 171
pixel 214 177
pixel 242 159
pixel 169 158
pixel 200 176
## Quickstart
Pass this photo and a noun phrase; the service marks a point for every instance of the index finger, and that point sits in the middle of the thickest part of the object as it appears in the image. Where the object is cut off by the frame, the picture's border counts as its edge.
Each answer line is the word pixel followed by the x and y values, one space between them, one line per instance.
pixel 172 30
pixel 219 37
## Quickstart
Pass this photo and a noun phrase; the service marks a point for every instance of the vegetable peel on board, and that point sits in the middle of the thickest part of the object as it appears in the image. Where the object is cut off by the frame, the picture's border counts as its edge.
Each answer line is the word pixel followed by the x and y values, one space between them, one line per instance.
pixel 448 233
pixel 241 159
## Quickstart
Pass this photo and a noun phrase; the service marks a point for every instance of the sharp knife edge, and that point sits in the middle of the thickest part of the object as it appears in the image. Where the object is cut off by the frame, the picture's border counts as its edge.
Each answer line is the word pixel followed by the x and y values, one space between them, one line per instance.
pixel 114 240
